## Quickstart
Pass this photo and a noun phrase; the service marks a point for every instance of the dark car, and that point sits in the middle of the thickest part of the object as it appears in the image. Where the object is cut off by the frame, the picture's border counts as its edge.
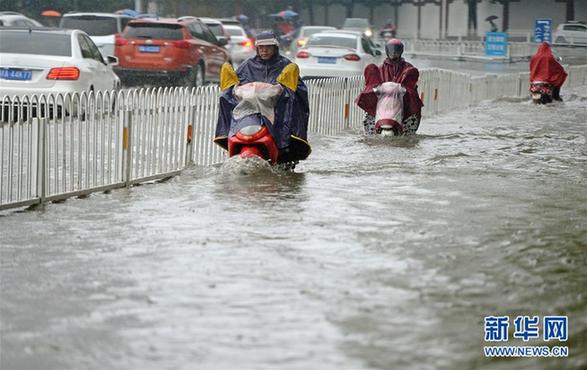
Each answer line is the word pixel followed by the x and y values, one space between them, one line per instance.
pixel 178 51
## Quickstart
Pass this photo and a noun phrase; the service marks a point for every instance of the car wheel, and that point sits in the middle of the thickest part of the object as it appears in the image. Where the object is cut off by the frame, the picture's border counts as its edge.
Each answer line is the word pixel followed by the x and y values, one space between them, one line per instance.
pixel 199 76
pixel 195 78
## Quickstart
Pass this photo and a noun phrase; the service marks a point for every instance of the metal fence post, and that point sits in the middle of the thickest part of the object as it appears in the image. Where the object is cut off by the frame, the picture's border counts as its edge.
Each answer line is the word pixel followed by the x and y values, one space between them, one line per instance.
pixel 347 103
pixel 127 147
pixel 189 139
pixel 42 160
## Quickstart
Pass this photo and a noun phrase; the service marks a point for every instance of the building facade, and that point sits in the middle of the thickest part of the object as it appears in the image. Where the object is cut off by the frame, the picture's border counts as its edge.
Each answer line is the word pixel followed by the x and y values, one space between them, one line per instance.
pixel 437 23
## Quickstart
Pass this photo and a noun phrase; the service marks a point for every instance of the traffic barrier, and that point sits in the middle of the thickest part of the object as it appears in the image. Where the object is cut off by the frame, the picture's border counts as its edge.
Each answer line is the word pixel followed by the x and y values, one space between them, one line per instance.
pixel 57 146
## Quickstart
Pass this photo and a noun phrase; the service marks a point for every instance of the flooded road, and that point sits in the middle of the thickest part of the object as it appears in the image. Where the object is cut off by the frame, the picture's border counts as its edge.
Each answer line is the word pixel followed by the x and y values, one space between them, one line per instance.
pixel 374 254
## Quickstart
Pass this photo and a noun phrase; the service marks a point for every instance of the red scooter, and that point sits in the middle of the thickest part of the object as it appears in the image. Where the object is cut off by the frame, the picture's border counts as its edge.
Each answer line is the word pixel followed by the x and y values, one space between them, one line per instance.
pixel 541 92
pixel 252 115
pixel 390 106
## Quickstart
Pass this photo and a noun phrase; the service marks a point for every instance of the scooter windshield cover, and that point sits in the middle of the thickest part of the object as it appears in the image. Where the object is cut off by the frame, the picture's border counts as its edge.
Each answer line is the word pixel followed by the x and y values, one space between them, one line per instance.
pixel 390 102
pixel 256 97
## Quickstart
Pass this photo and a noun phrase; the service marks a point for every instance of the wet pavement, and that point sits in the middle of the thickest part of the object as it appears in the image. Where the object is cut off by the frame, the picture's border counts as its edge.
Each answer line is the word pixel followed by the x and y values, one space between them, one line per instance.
pixel 373 254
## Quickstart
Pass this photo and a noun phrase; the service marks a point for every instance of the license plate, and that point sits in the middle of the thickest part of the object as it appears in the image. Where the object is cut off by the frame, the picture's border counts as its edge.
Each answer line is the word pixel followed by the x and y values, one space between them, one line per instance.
pixel 148 49
pixel 327 60
pixel 15 74
pixel 536 96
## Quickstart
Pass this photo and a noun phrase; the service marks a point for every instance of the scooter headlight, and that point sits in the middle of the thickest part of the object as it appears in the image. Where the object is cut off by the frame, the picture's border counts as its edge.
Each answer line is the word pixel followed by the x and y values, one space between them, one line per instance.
pixel 250 130
pixel 368 33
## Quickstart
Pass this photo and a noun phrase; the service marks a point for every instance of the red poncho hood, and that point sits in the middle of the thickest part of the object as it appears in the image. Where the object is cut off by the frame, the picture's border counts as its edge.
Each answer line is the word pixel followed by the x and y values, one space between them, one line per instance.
pixel 544 67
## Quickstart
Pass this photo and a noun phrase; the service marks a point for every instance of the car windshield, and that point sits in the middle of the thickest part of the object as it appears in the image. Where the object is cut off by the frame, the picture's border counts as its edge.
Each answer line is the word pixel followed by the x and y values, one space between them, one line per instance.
pixel 319 40
pixel 91 24
pixel 37 43
pixel 356 23
pixel 215 28
pixel 154 31
pixel 310 31
pixel 235 32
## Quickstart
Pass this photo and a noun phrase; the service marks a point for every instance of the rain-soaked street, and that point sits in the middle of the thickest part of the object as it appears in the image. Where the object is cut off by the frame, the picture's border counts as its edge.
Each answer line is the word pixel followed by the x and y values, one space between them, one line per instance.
pixel 374 254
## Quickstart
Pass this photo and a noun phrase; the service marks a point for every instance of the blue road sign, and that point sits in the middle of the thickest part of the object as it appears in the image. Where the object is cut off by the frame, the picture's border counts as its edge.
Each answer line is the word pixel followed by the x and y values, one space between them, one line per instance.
pixel 496 44
pixel 543 30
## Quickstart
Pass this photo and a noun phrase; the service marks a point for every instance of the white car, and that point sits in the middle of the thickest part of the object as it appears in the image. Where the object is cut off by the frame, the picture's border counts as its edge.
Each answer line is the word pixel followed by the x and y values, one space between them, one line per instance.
pixel 101 27
pixel 14 19
pixel 335 54
pixel 571 33
pixel 305 32
pixel 240 46
pixel 44 61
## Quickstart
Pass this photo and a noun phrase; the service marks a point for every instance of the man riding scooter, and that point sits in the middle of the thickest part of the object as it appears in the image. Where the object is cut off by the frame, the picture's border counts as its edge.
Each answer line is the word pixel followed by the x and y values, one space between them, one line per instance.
pixel 264 93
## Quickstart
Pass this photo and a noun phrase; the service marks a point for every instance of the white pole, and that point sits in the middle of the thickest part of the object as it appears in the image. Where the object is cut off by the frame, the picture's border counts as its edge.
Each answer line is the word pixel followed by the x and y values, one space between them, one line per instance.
pixel 139 6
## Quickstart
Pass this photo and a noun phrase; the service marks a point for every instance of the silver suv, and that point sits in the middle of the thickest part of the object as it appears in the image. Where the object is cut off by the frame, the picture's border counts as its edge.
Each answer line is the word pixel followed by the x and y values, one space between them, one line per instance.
pixel 102 27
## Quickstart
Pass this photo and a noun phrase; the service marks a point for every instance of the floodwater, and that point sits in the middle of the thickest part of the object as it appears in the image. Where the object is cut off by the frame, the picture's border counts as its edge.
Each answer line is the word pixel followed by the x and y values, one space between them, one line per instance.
pixel 373 254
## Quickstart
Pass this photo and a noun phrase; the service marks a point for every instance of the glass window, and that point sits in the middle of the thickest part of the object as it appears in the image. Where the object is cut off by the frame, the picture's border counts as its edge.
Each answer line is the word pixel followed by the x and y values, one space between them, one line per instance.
pixel 235 32
pixel 196 30
pixel 84 47
pixel 96 54
pixel 216 29
pixel 367 46
pixel 159 31
pixel 310 31
pixel 21 23
pixel 123 22
pixel 91 24
pixel 37 43
pixel 208 35
pixel 332 41
pixel 573 27
pixel 356 22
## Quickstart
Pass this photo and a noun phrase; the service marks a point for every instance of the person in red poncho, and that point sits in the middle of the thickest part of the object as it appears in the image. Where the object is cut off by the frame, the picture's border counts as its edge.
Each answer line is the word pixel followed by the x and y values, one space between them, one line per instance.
pixel 394 69
pixel 545 67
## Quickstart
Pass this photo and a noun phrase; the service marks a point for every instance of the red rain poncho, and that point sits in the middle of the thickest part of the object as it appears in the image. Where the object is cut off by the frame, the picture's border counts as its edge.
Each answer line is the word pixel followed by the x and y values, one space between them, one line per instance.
pixel 401 72
pixel 544 67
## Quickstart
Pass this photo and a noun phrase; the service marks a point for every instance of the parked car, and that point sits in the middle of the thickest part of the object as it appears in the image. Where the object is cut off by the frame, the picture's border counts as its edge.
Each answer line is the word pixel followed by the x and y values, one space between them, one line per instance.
pixel 229 21
pixel 571 33
pixel 235 22
pixel 241 46
pixel 182 51
pixel 45 61
pixel 336 53
pixel 305 32
pixel 102 27
pixel 217 29
pixel 14 19
pixel 358 24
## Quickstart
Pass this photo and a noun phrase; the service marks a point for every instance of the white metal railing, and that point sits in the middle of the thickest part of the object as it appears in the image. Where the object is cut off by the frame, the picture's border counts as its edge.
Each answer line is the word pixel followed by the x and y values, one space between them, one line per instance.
pixel 57 146
pixel 476 49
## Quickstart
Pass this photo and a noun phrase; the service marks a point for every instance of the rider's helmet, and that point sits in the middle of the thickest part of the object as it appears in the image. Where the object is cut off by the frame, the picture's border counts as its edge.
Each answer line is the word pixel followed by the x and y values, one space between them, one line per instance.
pixel 394 46
pixel 266 38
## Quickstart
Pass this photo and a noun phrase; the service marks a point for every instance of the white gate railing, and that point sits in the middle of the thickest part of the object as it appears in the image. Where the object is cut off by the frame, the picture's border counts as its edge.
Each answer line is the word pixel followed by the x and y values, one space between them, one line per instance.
pixel 58 146
pixel 471 49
